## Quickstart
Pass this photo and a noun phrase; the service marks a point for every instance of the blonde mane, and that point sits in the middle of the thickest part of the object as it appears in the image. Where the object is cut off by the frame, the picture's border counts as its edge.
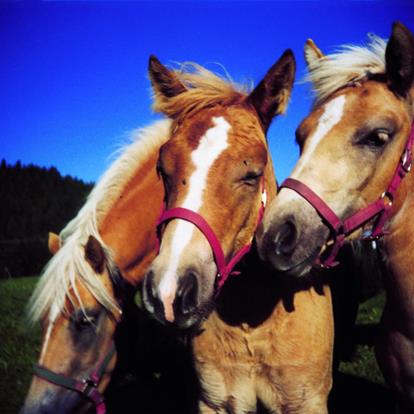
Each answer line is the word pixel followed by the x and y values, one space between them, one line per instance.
pixel 203 88
pixel 59 277
pixel 351 64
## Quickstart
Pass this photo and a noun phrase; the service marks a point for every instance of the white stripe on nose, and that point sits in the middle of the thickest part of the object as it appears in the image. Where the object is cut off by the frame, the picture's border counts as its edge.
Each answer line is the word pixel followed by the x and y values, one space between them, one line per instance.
pixel 332 114
pixel 212 144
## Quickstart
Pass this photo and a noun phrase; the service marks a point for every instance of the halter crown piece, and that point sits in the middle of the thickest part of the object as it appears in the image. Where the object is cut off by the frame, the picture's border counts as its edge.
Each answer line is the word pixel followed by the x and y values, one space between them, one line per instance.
pixel 379 209
pixel 224 270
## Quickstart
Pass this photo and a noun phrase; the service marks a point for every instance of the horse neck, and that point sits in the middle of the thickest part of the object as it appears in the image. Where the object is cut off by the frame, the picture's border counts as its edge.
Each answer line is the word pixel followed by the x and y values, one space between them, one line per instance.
pixel 129 227
pixel 398 247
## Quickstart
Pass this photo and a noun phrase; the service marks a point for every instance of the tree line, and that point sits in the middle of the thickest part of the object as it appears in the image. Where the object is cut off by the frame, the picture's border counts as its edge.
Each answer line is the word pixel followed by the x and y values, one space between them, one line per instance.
pixel 33 201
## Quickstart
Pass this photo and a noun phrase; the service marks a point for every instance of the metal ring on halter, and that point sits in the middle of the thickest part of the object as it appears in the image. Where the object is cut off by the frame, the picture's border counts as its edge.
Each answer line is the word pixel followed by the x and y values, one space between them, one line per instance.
pixel 406 157
pixel 88 386
pixel 389 196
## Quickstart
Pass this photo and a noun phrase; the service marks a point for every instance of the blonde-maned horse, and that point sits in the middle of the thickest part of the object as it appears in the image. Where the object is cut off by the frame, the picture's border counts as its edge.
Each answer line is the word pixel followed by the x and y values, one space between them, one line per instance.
pixel 264 340
pixel 78 299
pixel 353 176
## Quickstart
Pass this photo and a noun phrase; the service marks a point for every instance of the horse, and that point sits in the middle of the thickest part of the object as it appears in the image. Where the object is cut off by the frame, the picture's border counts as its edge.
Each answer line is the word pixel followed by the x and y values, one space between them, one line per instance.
pixel 353 180
pixel 99 258
pixel 112 240
pixel 253 337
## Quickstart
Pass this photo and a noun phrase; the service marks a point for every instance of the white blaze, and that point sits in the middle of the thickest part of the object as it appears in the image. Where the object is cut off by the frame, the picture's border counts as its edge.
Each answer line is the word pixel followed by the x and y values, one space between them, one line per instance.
pixel 211 145
pixel 332 114
pixel 53 314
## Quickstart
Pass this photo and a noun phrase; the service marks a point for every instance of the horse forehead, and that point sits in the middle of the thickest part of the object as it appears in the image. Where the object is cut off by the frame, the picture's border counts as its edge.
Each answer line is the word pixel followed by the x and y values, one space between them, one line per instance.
pixel 321 122
pixel 202 139
pixel 370 101
pixel 213 141
pixel 83 297
pixel 241 119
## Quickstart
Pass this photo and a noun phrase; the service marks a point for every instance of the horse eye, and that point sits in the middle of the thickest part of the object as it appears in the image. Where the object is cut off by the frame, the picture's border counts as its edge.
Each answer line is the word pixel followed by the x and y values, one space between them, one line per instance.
pixel 82 320
pixel 377 138
pixel 251 178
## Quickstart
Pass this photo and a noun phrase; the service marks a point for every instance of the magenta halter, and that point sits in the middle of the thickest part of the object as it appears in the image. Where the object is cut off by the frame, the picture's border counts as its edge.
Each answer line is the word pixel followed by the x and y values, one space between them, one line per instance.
pixel 379 209
pixel 224 270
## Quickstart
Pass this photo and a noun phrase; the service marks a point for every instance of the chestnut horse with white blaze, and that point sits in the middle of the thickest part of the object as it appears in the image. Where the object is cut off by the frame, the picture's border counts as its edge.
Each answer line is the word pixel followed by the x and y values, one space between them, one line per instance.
pixel 353 179
pixel 264 340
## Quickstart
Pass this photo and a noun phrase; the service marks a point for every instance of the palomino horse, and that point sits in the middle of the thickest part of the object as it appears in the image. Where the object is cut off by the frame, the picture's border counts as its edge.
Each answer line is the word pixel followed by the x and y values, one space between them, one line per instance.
pixel 79 296
pixel 264 341
pixel 356 149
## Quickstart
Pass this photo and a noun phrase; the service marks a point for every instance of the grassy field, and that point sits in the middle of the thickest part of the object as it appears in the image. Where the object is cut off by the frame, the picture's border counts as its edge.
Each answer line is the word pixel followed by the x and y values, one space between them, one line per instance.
pixel 363 363
pixel 19 345
pixel 359 387
pixel 358 378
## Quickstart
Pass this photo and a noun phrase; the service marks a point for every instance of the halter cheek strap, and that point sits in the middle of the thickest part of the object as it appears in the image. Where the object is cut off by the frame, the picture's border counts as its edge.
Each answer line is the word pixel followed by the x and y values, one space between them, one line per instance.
pixel 87 387
pixel 378 210
pixel 224 270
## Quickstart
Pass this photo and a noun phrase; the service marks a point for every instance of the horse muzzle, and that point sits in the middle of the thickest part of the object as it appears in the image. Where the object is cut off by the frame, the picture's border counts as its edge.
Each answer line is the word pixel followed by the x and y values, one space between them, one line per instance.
pixel 292 241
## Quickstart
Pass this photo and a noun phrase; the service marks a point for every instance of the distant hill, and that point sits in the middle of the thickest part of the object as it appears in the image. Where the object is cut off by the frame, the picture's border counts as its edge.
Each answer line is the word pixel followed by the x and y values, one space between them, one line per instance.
pixel 33 201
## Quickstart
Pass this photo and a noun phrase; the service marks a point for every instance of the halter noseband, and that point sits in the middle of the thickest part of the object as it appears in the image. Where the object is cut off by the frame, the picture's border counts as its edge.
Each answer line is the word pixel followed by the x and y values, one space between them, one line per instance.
pixel 224 270
pixel 87 387
pixel 379 209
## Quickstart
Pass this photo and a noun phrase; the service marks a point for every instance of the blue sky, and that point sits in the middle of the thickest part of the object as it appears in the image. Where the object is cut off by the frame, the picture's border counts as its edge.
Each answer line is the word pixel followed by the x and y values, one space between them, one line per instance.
pixel 73 75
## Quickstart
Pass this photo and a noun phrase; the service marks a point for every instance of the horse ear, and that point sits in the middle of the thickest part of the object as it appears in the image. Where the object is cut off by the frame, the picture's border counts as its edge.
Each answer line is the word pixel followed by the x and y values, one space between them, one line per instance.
pixel 312 52
pixel 399 59
pixel 271 95
pixel 164 81
pixel 94 254
pixel 53 243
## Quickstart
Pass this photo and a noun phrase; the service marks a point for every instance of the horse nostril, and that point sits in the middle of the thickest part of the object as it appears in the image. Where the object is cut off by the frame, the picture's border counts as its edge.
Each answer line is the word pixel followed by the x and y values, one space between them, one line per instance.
pixel 286 239
pixel 187 294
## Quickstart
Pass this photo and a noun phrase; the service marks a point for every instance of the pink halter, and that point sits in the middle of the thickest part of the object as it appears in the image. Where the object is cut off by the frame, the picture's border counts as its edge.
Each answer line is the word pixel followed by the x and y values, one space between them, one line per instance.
pixel 224 270
pixel 379 208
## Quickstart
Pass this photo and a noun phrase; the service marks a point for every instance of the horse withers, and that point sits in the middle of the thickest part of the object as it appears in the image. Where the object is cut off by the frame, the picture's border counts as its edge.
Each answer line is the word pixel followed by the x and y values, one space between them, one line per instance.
pixel 253 337
pixel 353 179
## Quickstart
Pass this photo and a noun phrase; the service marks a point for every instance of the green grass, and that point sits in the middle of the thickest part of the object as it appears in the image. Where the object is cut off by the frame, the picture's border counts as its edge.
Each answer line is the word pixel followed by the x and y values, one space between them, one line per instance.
pixel 19 345
pixel 363 363
pixel 371 310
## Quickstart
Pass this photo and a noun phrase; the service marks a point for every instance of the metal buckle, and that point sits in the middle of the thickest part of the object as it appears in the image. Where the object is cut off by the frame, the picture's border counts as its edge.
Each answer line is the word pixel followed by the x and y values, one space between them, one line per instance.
pixel 372 238
pixel 389 196
pixel 88 386
pixel 264 198
pixel 406 160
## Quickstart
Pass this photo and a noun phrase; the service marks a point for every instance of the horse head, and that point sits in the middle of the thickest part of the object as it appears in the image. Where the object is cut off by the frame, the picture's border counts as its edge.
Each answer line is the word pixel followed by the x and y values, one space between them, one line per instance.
pixel 78 352
pixel 354 150
pixel 215 167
